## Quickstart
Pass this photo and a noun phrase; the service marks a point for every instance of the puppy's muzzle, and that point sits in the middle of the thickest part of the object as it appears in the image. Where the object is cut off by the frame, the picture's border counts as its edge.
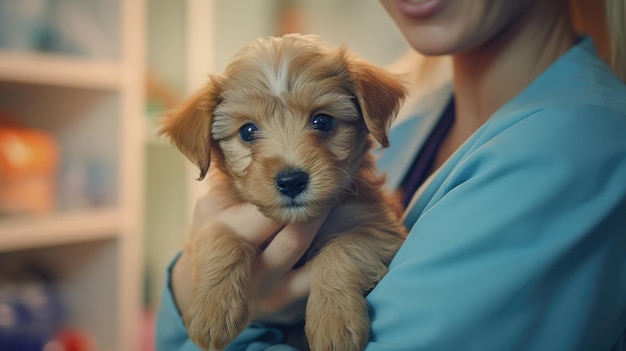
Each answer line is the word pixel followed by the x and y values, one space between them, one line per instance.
pixel 292 182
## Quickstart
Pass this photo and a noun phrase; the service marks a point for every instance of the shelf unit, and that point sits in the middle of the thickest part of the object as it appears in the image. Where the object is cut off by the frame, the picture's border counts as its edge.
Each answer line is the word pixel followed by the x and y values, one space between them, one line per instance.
pixel 59 70
pixel 59 229
pixel 94 108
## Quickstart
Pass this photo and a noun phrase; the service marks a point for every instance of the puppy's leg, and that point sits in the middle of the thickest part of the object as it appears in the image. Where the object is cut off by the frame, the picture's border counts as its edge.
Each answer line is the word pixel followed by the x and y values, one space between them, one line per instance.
pixel 346 268
pixel 221 263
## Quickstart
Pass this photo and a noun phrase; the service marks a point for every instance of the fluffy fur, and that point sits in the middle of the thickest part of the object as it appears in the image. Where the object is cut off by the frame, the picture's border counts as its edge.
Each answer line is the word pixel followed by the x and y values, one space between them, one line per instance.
pixel 281 85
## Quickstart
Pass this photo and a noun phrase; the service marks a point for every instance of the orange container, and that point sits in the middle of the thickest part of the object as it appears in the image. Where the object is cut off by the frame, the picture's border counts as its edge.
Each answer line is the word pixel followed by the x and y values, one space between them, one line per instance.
pixel 28 165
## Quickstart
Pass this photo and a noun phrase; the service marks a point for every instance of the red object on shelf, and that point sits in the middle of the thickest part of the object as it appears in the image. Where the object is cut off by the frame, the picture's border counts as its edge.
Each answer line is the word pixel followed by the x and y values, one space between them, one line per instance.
pixel 74 340
pixel 28 166
pixel 70 340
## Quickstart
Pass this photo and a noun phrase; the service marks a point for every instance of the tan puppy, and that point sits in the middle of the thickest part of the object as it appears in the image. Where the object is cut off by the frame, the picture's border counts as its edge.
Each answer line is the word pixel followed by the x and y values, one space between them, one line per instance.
pixel 288 127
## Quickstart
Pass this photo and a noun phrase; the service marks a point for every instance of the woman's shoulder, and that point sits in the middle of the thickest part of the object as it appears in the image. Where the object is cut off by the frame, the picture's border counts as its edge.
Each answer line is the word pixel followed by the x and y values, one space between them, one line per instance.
pixel 577 107
pixel 580 79
pixel 557 154
pixel 554 144
pixel 579 134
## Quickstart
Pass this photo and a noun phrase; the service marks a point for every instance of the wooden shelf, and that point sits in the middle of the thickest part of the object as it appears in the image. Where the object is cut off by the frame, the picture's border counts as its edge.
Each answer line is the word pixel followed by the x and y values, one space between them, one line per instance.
pixel 31 232
pixel 59 70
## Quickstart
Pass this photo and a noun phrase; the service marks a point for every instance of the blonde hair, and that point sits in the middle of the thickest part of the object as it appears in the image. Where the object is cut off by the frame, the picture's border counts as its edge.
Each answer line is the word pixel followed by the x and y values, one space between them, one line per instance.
pixel 605 22
pixel 616 25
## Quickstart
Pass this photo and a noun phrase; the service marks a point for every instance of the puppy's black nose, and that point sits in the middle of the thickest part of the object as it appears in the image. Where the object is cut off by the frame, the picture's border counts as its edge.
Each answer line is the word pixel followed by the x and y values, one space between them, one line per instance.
pixel 292 182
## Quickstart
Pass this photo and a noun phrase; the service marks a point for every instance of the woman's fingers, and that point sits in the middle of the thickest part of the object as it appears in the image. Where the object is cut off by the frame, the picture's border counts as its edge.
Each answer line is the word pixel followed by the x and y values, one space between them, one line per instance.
pixel 250 224
pixel 279 291
pixel 287 247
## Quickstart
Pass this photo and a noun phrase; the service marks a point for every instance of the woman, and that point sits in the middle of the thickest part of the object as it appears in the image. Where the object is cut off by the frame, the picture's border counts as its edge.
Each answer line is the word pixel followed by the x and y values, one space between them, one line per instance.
pixel 516 172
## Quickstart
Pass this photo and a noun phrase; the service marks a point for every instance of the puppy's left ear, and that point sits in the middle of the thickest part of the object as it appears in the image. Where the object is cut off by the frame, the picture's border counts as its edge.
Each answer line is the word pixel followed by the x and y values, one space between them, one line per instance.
pixel 380 95
pixel 189 125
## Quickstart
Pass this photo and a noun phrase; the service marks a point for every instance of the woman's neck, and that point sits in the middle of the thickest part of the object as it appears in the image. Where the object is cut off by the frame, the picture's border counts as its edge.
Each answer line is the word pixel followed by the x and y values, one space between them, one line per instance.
pixel 485 78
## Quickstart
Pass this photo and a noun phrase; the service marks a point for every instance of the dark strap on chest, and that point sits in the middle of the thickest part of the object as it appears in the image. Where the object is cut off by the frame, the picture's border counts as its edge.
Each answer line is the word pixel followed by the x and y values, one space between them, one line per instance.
pixel 421 167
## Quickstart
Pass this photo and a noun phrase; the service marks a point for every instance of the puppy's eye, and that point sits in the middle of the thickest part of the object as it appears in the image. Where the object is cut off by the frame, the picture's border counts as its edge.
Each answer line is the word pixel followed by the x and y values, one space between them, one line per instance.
pixel 323 122
pixel 248 131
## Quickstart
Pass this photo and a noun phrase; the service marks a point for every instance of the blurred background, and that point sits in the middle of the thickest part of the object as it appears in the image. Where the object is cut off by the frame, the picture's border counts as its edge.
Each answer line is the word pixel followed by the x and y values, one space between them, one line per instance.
pixel 93 204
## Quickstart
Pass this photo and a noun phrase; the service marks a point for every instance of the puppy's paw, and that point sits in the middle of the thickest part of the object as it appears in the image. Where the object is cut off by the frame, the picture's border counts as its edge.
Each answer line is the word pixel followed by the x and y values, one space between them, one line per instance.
pixel 330 328
pixel 215 321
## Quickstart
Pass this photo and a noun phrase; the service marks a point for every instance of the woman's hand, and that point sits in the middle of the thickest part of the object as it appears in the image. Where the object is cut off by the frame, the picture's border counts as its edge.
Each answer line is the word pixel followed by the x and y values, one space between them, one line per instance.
pixel 279 291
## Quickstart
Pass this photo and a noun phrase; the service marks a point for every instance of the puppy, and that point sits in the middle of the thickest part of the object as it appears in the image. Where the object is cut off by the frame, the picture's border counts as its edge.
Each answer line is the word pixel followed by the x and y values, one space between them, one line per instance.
pixel 288 127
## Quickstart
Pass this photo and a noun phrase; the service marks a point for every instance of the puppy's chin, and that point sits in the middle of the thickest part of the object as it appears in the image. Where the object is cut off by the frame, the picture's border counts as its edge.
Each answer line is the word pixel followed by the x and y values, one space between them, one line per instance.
pixel 294 213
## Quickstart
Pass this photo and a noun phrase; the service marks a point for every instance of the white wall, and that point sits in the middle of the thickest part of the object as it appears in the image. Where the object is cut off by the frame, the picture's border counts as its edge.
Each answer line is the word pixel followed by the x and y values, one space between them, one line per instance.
pixel 362 25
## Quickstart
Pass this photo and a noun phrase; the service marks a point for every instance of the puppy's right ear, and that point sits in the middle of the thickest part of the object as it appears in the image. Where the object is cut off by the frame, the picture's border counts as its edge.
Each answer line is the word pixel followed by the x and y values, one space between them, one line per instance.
pixel 188 125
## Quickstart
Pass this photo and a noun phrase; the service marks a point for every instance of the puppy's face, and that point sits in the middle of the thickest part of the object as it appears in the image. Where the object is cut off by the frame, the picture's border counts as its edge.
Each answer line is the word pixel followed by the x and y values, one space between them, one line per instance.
pixel 289 121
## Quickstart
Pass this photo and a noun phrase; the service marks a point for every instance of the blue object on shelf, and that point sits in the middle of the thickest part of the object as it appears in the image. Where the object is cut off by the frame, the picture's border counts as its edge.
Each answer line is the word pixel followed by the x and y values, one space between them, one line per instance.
pixel 31 312
pixel 23 24
pixel 72 27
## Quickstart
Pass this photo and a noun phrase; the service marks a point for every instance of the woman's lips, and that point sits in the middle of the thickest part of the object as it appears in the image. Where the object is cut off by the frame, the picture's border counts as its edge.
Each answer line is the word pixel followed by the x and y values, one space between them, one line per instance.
pixel 420 9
